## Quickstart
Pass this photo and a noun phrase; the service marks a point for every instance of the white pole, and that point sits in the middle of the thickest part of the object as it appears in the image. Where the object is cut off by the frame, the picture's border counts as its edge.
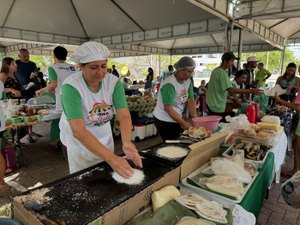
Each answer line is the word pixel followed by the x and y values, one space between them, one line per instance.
pixel 268 58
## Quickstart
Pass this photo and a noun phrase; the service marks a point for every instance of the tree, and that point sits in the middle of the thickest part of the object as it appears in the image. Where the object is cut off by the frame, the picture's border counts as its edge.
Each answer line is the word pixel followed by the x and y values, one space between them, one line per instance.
pixel 274 59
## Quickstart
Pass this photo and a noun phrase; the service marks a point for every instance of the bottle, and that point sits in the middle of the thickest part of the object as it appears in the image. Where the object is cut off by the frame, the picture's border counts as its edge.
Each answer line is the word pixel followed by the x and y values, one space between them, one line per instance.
pixel 257 109
pixel 251 113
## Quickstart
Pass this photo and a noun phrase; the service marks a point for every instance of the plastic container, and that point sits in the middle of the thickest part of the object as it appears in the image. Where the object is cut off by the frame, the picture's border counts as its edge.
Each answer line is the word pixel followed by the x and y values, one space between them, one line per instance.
pixel 257 109
pixel 138 133
pixel 209 122
pixel 8 221
pixel 251 113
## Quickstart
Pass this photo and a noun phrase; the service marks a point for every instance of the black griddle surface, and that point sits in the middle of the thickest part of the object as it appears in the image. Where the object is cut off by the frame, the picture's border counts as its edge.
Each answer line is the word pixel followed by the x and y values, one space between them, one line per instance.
pixel 151 153
pixel 86 196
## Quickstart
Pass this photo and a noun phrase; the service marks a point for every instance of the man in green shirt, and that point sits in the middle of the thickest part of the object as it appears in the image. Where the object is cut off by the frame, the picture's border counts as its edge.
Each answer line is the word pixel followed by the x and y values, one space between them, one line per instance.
pixel 219 85
pixel 262 75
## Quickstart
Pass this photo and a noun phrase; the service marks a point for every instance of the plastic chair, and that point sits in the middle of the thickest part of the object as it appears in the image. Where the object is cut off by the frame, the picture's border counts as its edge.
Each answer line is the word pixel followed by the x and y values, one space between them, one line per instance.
pixel 8 221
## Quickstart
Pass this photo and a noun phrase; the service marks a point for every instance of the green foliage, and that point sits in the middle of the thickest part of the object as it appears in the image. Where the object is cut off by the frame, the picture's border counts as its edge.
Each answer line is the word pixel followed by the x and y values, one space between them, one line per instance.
pixel 41 61
pixel 211 66
pixel 274 59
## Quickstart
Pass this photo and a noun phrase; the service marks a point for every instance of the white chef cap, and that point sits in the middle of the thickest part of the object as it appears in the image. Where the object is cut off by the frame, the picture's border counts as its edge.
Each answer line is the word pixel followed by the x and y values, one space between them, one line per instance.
pixel 89 52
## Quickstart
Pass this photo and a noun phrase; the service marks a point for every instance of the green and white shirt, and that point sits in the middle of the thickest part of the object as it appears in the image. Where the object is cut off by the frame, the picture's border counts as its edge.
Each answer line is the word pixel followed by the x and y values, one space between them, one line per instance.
pixel 96 108
pixel 216 94
pixel 59 72
pixel 172 93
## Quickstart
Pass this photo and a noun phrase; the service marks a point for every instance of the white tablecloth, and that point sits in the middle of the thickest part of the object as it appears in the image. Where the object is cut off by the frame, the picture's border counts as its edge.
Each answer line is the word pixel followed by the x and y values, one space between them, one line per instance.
pixel 279 150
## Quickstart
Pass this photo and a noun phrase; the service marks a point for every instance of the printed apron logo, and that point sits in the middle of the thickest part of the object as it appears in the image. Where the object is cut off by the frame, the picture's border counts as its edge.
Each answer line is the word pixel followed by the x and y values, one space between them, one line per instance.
pixel 100 114
pixel 182 98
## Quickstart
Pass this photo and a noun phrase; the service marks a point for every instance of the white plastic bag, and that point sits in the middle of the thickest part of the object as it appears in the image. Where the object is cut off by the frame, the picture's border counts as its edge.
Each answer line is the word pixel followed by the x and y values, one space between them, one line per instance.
pixel 238 122
pixel 291 190
pixel 229 168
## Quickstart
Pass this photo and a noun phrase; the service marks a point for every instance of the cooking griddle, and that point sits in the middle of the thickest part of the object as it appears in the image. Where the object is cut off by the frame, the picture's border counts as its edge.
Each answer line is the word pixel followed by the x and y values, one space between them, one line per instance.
pixel 86 195
pixel 151 153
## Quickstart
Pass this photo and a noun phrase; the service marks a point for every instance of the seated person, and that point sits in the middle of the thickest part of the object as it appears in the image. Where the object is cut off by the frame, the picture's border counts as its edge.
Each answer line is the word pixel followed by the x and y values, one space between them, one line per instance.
pixel 235 100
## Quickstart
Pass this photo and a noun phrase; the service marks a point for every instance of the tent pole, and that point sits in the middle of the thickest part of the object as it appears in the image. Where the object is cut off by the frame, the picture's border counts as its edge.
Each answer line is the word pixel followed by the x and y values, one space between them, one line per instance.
pixel 240 48
pixel 282 59
pixel 268 58
pixel 230 35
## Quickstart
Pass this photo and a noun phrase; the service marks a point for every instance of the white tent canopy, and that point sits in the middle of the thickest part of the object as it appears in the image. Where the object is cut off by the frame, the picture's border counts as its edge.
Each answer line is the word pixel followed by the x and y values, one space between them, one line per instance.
pixel 137 27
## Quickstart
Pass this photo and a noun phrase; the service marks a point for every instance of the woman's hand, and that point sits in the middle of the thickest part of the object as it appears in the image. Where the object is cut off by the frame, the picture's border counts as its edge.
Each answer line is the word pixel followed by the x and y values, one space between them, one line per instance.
pixel 121 166
pixel 275 97
pixel 256 91
pixel 132 153
pixel 292 89
pixel 15 93
pixel 39 92
pixel 185 125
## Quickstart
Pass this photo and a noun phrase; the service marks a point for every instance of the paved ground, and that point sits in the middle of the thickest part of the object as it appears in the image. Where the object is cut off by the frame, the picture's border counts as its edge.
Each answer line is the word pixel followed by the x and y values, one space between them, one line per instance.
pixel 46 163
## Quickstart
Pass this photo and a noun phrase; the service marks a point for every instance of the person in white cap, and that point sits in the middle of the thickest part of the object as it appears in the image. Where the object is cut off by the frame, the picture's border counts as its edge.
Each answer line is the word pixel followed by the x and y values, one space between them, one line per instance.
pixel 89 98
pixel 250 67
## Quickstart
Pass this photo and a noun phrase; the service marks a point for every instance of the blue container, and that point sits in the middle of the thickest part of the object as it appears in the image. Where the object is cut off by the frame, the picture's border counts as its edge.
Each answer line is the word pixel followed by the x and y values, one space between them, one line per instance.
pixel 7 221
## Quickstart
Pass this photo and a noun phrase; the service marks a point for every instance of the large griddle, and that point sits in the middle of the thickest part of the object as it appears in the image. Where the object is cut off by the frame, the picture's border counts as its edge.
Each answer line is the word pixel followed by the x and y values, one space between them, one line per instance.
pixel 84 196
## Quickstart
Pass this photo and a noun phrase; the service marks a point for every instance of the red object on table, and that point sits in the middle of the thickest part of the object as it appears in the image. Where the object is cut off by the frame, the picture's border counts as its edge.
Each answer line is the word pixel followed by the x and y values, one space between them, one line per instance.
pixel 251 113
pixel 257 109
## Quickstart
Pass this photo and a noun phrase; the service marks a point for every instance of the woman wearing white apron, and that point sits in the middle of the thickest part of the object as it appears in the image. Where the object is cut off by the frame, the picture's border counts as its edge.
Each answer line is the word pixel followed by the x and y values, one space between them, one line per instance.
pixel 89 98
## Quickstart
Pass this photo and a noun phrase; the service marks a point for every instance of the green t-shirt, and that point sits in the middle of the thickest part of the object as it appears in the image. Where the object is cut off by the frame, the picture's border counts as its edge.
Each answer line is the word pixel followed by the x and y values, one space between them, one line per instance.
pixel 168 93
pixel 52 74
pixel 261 75
pixel 72 102
pixel 216 94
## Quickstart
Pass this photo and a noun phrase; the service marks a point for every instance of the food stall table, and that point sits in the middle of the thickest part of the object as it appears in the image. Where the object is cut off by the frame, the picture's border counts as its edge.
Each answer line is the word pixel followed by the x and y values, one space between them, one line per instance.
pixel 279 150
pixel 254 198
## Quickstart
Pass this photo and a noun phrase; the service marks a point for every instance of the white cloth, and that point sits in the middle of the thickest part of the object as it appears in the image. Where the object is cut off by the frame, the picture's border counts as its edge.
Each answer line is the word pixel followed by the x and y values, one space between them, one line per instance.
pixel 62 70
pixel 89 52
pixel 97 112
pixel 181 97
pixel 279 150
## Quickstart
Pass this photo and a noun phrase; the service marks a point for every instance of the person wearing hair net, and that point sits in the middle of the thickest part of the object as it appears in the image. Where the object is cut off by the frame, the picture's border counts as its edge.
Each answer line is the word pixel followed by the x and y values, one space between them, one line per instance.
pixel 175 92
pixel 89 98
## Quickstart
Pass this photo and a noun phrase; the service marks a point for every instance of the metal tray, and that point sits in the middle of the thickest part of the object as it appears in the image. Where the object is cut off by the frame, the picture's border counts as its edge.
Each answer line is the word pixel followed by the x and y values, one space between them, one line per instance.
pixel 189 182
pixel 86 195
pixel 151 153
pixel 259 164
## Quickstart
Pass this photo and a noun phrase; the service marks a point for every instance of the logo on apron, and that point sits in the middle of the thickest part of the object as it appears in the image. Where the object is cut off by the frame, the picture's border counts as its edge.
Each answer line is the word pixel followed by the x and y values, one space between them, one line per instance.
pixel 182 98
pixel 101 113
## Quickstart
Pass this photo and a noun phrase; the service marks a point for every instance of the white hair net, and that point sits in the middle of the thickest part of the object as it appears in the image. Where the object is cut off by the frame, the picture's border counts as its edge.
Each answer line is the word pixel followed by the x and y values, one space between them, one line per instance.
pixel 185 63
pixel 89 52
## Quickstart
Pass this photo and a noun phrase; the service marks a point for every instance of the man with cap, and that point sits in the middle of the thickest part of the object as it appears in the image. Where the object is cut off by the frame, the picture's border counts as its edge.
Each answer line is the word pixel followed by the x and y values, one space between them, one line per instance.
pixel 250 67
pixel 89 98
pixel 219 85
pixel 176 91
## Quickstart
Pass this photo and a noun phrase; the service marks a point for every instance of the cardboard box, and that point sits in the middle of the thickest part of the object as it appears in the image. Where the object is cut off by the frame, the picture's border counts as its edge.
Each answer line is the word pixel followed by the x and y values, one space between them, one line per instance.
pixel 201 152
pixel 133 206
pixel 22 214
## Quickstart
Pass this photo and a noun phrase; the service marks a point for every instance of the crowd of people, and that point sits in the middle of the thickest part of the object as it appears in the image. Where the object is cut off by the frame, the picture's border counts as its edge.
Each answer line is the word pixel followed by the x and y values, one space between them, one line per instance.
pixel 90 94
